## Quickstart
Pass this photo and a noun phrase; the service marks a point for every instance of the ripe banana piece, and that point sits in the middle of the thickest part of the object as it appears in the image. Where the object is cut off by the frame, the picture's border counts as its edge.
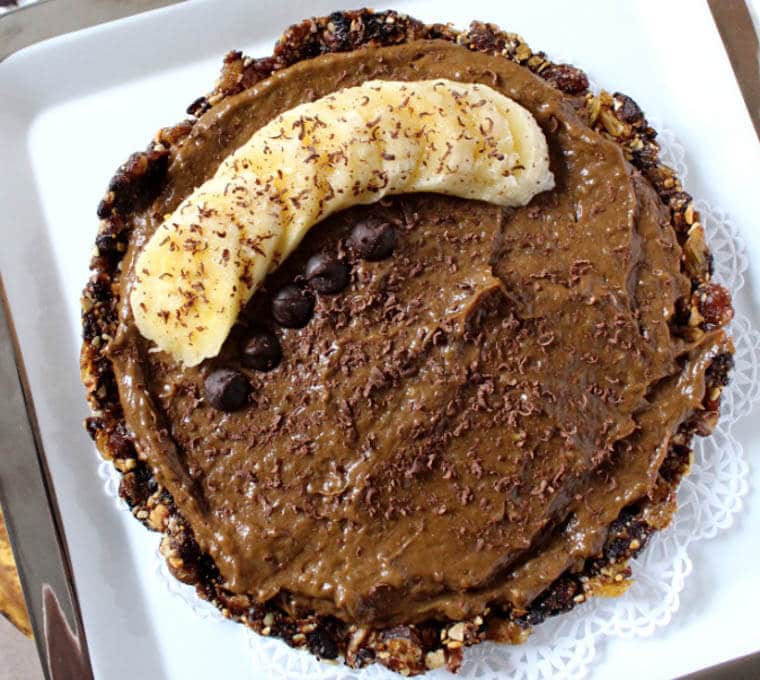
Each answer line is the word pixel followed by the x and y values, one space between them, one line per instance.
pixel 206 260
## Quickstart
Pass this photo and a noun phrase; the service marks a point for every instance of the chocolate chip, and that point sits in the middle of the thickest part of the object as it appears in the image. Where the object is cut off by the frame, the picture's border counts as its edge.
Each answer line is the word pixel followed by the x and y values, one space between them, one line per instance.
pixel 261 351
pixel 227 389
pixel 326 273
pixel 292 307
pixel 373 239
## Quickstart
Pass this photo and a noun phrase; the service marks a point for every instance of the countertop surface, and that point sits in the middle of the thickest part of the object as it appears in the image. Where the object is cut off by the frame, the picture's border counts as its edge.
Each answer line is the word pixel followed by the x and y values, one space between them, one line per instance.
pixel 18 655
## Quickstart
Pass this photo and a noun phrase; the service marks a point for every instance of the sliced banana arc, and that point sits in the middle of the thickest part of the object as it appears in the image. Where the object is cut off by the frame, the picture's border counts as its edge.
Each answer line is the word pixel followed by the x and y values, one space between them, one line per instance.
pixel 355 146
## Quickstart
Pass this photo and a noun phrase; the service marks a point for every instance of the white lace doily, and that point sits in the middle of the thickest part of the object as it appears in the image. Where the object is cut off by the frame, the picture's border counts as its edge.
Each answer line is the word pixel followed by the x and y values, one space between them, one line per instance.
pixel 564 646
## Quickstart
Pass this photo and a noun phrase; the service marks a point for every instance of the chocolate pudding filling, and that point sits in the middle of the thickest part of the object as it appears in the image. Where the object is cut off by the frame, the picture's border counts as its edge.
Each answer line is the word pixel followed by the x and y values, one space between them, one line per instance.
pixel 469 398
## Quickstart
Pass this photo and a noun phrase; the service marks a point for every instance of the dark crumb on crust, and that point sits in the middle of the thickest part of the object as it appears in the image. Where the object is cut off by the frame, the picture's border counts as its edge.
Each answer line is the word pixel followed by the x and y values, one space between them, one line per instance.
pixel 135 182
pixel 566 78
pixel 628 535
pixel 719 372
pixel 628 110
pixel 322 644
pixel 345 31
pixel 406 649
pixel 137 486
pixel 559 598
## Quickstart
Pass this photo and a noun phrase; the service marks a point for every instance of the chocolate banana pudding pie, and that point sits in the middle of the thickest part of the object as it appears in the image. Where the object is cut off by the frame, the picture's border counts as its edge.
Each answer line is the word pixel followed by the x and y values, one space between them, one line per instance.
pixel 401 339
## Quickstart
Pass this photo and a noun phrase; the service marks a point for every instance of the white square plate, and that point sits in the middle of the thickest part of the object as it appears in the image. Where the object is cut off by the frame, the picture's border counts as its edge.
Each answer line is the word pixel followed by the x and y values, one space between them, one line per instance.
pixel 73 108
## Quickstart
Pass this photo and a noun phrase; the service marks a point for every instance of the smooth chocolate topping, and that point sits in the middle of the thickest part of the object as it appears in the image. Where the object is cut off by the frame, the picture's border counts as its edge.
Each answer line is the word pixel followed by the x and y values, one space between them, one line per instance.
pixel 461 424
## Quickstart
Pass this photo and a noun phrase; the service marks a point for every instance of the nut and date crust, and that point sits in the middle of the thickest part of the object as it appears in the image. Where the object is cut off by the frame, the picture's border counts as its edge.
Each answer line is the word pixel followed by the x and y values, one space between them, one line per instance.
pixel 407 649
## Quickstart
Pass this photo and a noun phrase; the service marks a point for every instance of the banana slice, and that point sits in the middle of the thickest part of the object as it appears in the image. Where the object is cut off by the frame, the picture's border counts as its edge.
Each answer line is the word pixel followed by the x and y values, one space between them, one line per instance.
pixel 205 261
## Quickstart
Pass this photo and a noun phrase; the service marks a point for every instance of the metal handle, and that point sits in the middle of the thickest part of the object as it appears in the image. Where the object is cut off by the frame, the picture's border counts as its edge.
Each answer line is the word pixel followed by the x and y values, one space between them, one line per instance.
pixel 734 23
pixel 31 24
